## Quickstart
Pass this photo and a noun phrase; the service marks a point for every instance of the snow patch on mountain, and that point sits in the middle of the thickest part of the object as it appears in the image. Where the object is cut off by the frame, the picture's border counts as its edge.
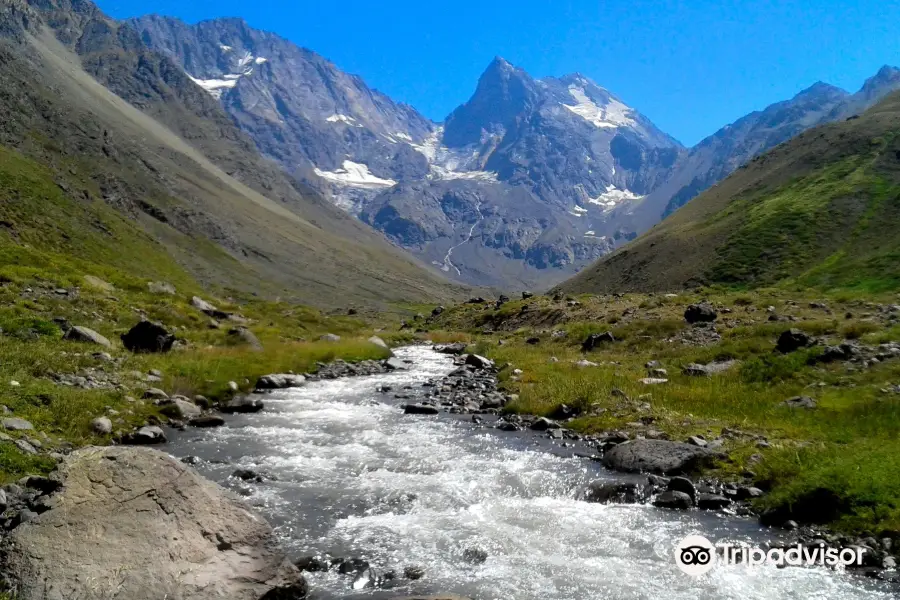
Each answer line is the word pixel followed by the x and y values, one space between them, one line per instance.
pixel 613 114
pixel 450 164
pixel 613 197
pixel 216 86
pixel 355 175
pixel 343 119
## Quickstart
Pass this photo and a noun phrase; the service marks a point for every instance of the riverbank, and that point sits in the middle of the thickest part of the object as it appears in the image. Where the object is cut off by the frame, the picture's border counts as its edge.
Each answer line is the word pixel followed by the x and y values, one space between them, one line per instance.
pixel 814 423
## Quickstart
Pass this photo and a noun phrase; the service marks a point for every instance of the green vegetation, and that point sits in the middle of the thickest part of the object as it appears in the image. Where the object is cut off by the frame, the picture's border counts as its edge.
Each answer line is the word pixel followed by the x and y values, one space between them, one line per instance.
pixel 83 263
pixel 845 449
pixel 819 211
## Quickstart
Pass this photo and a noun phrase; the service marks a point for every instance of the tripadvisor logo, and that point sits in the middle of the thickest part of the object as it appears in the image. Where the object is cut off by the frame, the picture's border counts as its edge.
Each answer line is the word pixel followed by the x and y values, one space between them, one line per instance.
pixel 696 555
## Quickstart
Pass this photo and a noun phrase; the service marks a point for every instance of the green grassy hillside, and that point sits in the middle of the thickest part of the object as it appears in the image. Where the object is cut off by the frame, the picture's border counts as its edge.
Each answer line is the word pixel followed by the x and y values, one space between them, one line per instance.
pixel 821 210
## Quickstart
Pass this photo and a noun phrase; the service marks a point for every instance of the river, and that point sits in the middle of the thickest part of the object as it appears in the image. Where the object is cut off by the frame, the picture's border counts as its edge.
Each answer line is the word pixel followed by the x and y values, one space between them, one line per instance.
pixel 356 477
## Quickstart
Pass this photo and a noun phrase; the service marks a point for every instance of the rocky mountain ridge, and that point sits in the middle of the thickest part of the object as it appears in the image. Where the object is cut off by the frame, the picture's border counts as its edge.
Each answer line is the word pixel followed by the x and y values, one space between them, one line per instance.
pixel 524 184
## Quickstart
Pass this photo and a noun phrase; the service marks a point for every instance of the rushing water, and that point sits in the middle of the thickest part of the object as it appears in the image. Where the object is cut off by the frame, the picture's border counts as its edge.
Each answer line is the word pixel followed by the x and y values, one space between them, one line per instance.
pixel 356 477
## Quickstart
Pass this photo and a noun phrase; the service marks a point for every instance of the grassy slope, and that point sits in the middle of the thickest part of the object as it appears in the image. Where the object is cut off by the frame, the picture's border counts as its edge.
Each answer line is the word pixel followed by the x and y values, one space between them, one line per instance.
pixel 818 211
pixel 49 241
pixel 212 191
pixel 848 447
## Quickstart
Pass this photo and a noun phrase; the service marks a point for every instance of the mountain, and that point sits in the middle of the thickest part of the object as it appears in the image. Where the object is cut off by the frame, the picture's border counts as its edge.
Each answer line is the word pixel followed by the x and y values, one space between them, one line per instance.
pixel 819 210
pixel 544 159
pixel 715 157
pixel 526 183
pixel 117 124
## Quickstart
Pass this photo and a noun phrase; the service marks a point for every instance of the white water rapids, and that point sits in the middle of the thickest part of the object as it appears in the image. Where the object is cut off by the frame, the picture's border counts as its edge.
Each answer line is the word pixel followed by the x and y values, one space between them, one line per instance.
pixel 356 477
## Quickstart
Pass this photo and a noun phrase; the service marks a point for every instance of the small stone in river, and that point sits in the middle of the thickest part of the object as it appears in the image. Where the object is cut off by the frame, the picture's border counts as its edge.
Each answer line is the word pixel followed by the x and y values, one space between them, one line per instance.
pixel 206 421
pixel 414 572
pixel 353 565
pixel 674 500
pixel 475 555
pixel 420 409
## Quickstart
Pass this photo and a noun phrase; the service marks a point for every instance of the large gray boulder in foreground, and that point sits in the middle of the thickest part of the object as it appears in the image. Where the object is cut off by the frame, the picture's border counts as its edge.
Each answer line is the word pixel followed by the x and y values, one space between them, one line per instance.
pixel 137 524
pixel 658 456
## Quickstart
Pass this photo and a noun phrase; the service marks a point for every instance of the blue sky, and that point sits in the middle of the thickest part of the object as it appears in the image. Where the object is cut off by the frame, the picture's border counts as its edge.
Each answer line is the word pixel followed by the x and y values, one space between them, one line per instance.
pixel 691 66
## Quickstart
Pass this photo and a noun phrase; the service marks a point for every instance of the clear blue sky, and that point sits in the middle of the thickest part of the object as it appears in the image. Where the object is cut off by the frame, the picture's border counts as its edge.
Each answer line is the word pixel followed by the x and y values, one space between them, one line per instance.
pixel 691 66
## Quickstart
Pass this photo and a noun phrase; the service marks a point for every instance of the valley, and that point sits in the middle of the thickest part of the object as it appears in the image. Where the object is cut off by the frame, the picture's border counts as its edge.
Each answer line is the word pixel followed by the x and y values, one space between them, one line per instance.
pixel 265 333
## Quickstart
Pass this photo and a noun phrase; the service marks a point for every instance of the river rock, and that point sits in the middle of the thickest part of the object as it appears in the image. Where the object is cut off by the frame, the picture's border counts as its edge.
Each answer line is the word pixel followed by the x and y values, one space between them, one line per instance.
pixel 685 485
pixel 438 597
pixel 207 421
pixel 84 334
pixel 185 408
pixel 138 524
pixel 606 492
pixel 242 404
pixel 395 364
pixel 147 336
pixel 543 424
pixel 712 502
pixel 479 362
pixel 475 555
pixel 280 381
pixel 657 456
pixel 414 572
pixel 674 500
pixel 457 348
pixel 145 436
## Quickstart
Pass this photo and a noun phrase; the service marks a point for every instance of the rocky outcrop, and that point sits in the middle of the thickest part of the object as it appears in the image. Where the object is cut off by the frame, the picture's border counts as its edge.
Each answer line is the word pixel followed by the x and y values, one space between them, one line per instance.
pixel 138 524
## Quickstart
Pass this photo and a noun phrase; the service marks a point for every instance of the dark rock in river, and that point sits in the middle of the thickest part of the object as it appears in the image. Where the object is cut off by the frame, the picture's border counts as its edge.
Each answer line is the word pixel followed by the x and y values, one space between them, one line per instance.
pixel 420 409
pixel 658 456
pixel 280 381
pixel 475 555
pixel 242 404
pixel 674 500
pixel 606 492
pixel 207 421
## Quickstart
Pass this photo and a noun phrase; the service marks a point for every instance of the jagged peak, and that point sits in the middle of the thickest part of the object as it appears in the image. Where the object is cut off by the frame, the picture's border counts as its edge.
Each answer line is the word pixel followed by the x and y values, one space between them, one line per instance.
pixel 820 88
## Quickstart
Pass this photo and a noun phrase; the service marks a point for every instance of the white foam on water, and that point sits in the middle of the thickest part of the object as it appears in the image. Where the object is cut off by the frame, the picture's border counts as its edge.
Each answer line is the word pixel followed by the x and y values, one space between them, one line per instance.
pixel 356 477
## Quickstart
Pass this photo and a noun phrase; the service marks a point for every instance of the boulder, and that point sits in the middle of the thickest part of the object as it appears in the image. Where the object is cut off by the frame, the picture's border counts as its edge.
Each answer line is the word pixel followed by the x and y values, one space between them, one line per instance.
pixel 793 340
pixel 673 500
pixel 136 523
pixel 700 313
pixel 685 485
pixel 242 404
pixel 657 456
pixel 207 421
pixel 330 337
pixel 597 339
pixel 145 436
pixel 712 502
pixel 479 362
pixel 280 381
pixel 395 364
pixel 242 335
pixel 437 311
pixel 543 424
pixel 147 336
pixel 184 408
pixel 86 335
pixel 606 492
pixel 208 309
